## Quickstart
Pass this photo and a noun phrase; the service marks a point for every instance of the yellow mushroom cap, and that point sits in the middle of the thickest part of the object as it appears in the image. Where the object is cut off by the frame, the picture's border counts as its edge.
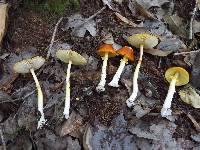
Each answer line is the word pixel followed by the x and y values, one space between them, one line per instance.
pixel 183 75
pixel 147 40
pixel 24 66
pixel 69 55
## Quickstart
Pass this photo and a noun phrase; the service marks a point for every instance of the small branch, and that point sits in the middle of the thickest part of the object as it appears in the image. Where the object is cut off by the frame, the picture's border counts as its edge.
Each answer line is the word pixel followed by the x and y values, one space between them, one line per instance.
pixel 196 124
pixel 2 139
pixel 185 53
pixel 53 37
pixel 191 21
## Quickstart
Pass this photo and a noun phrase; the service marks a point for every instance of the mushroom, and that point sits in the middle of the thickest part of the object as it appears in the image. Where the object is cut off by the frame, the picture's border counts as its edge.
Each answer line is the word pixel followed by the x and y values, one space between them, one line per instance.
pixel 105 51
pixel 127 53
pixel 29 66
pixel 70 57
pixel 141 41
pixel 176 76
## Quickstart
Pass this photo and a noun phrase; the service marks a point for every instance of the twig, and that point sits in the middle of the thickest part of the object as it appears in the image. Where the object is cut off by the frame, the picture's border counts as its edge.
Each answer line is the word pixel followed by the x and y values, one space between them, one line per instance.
pixel 191 21
pixel 2 139
pixel 53 37
pixel 90 18
pixel 196 124
pixel 184 53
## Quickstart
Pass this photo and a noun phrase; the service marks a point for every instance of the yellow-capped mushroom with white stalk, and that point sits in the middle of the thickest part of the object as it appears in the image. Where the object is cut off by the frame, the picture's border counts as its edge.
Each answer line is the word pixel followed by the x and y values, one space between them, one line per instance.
pixel 142 41
pixel 176 76
pixel 29 66
pixel 70 57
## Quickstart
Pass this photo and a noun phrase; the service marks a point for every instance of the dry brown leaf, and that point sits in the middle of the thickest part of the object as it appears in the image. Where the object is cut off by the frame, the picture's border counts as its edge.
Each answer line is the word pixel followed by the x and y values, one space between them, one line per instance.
pixel 144 12
pixel 125 20
pixel 157 52
pixel 87 137
pixel 73 124
pixel 3 16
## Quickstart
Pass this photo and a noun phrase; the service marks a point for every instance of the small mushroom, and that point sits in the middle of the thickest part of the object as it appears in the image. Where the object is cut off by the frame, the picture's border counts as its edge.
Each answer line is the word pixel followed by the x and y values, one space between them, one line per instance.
pixel 141 41
pixel 29 66
pixel 70 57
pixel 176 76
pixel 127 53
pixel 105 51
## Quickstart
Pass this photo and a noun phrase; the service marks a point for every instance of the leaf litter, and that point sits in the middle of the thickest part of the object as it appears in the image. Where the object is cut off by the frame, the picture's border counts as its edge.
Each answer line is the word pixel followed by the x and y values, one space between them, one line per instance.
pixel 101 121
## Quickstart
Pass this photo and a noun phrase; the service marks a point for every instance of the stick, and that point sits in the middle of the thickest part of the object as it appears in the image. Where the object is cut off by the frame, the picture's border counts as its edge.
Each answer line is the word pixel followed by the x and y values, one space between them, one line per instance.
pixel 90 18
pixel 184 53
pixel 53 37
pixel 2 139
pixel 196 124
pixel 191 21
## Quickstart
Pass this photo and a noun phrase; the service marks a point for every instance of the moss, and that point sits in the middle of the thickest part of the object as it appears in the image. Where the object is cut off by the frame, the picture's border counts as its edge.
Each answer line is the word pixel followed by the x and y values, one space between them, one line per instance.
pixel 57 7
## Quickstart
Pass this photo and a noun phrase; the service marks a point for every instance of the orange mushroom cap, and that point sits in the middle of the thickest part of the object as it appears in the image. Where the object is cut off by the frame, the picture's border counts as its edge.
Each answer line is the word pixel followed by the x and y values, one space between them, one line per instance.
pixel 127 52
pixel 107 48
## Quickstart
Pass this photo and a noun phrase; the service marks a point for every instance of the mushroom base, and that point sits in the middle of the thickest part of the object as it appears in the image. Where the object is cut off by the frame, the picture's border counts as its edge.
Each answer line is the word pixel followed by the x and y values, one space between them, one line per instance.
pixel 166 111
pixel 115 80
pixel 101 85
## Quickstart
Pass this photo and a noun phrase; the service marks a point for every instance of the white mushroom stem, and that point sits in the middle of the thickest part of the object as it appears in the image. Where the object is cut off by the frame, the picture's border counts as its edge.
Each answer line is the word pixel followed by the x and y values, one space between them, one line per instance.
pixel 166 109
pixel 115 80
pixel 67 98
pixel 130 101
pixel 42 120
pixel 101 85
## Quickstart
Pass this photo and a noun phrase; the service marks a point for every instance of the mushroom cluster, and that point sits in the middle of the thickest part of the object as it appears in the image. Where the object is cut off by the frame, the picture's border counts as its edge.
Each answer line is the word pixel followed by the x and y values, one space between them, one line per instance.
pixel 176 76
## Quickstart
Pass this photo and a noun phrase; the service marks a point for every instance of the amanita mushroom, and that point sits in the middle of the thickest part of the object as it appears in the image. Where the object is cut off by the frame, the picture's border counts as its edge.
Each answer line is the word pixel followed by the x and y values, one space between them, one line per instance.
pixel 141 41
pixel 105 51
pixel 127 53
pixel 70 57
pixel 176 76
pixel 29 66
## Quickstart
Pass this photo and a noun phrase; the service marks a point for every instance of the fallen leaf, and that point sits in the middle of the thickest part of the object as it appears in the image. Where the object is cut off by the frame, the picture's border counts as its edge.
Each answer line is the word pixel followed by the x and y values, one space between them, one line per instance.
pixel 196 137
pixel 151 3
pixel 87 138
pixel 79 27
pixel 158 52
pixel 144 12
pixel 196 26
pixel 73 124
pixel 171 44
pixel 160 133
pixel 3 16
pixel 190 96
pixel 125 20
pixel 176 25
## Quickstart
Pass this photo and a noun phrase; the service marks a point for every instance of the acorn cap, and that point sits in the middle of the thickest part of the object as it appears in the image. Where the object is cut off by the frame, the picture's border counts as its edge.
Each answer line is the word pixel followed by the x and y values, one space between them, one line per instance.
pixel 107 48
pixel 183 75
pixel 147 40
pixel 24 66
pixel 127 52
pixel 69 55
